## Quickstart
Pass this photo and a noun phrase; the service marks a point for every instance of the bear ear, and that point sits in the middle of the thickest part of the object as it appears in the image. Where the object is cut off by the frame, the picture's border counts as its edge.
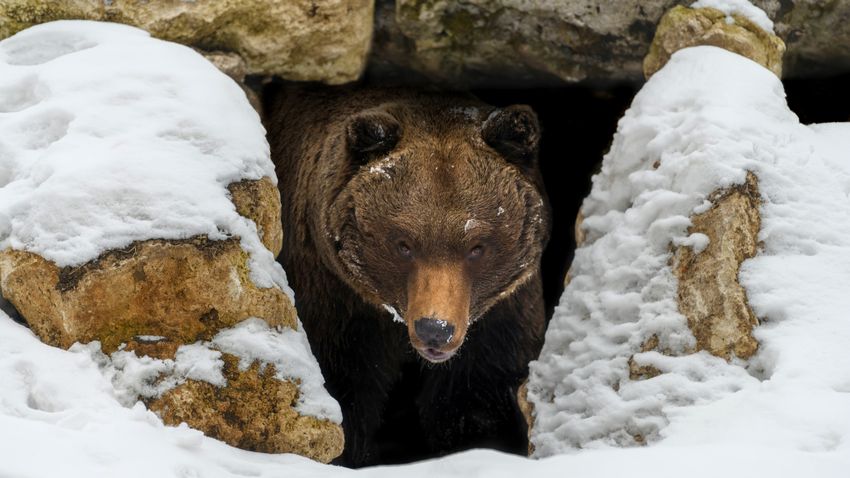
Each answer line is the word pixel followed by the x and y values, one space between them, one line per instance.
pixel 513 132
pixel 371 133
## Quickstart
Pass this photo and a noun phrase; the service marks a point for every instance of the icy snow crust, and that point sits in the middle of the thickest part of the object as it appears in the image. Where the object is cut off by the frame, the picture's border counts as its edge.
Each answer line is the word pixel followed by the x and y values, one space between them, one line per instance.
pixel 709 116
pixel 110 137
pixel 705 119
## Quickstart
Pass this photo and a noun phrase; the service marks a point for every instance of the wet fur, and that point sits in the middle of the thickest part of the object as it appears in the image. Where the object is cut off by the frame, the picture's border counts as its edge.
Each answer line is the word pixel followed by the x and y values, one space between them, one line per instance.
pixel 331 262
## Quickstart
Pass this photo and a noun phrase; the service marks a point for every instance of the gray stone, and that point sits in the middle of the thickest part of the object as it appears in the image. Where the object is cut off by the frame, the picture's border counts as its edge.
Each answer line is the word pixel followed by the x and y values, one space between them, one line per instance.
pixel 527 43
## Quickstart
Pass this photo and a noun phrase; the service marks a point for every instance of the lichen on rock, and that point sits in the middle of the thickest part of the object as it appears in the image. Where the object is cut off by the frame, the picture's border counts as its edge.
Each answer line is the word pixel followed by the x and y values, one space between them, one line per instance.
pixel 303 40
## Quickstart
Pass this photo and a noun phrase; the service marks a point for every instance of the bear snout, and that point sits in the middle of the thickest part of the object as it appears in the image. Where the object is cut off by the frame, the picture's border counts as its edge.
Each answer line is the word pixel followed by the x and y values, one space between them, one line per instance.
pixel 435 334
pixel 438 304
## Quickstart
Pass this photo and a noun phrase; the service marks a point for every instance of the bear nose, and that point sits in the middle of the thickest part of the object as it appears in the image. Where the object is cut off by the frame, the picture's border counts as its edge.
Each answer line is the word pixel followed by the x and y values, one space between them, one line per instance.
pixel 433 332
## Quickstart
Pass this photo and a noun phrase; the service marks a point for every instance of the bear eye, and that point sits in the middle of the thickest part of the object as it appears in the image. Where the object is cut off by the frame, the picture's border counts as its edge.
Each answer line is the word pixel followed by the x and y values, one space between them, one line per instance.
pixel 475 253
pixel 404 250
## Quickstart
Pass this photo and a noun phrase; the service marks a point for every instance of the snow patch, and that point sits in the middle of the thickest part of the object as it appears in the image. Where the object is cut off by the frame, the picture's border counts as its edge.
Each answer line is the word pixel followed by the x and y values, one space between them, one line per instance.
pixel 739 7
pixel 134 376
pixel 696 241
pixel 289 352
pixel 383 167
pixel 251 340
pixel 396 318
pixel 149 338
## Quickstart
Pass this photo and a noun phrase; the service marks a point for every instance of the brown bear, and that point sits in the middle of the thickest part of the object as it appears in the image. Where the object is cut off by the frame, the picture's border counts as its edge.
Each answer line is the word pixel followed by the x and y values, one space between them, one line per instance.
pixel 414 224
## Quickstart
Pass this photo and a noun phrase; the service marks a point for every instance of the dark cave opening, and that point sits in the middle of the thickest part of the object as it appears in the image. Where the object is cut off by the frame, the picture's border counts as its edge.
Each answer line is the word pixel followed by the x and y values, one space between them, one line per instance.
pixel 819 100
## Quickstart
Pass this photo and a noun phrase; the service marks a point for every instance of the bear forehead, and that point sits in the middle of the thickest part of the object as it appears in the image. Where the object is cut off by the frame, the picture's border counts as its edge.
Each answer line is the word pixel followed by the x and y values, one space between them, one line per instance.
pixel 445 176
pixel 436 200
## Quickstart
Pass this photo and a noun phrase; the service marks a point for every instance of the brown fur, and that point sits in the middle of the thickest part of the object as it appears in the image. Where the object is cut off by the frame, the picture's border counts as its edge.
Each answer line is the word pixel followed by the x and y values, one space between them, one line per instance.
pixel 386 196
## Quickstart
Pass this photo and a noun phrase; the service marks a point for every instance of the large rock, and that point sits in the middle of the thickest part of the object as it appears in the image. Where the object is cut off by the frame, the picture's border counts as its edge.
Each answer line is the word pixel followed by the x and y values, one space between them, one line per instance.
pixel 535 43
pixel 513 42
pixel 683 27
pixel 185 290
pixel 654 309
pixel 302 40
pixel 140 220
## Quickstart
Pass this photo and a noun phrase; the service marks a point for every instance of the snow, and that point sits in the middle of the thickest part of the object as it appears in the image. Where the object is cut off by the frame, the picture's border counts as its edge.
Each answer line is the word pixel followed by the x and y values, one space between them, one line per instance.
pixel 696 241
pixel 156 134
pixel 396 317
pixel 134 376
pixel 289 351
pixel 251 340
pixel 738 7
pixel 383 167
pixel 707 118
pixel 60 417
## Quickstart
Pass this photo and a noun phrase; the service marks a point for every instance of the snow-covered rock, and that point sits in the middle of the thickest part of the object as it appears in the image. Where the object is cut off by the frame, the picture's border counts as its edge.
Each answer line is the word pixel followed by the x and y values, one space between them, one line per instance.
pixel 742 8
pixel 736 26
pixel 139 212
pixel 621 364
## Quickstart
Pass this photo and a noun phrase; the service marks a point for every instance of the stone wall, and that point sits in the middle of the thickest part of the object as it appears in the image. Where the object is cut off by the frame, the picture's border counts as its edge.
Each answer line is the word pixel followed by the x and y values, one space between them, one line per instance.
pixel 470 43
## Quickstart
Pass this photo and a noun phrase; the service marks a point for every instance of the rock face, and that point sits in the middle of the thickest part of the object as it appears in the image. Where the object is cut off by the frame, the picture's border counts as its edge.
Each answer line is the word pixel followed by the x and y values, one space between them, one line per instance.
pixel 252 200
pixel 302 40
pixel 709 293
pixel 683 27
pixel 513 42
pixel 816 33
pixel 483 43
pixel 184 290
pixel 533 43
pixel 254 411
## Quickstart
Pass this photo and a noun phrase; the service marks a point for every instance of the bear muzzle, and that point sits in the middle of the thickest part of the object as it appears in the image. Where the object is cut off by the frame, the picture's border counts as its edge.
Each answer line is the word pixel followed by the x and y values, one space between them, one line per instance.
pixel 438 310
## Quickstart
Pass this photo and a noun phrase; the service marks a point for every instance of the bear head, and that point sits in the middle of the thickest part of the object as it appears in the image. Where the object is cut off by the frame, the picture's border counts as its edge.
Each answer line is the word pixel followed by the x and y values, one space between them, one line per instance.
pixel 435 209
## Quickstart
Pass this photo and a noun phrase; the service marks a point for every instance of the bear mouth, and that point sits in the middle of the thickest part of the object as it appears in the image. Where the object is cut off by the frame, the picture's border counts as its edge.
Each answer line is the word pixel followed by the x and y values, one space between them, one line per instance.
pixel 435 355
